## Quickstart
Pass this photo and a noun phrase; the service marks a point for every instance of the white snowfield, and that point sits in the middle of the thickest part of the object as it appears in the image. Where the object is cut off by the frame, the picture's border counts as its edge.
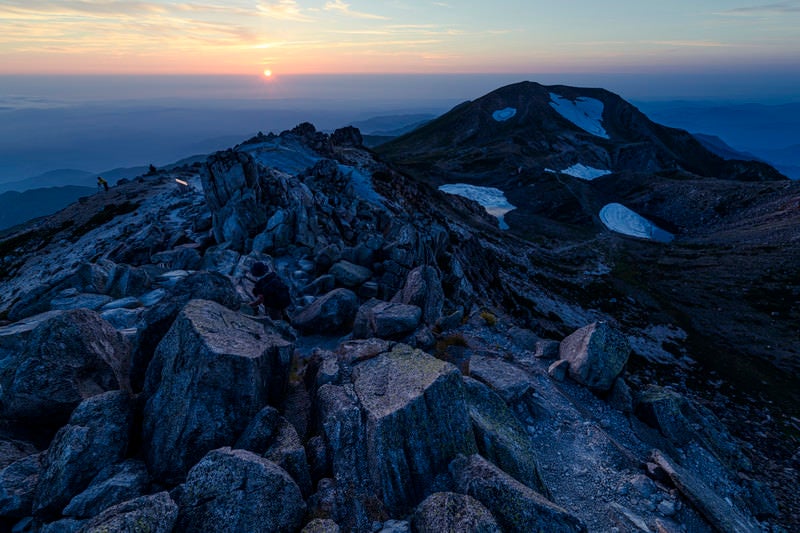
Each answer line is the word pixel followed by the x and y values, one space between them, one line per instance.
pixel 586 113
pixel 620 219
pixel 504 114
pixel 490 198
pixel 585 172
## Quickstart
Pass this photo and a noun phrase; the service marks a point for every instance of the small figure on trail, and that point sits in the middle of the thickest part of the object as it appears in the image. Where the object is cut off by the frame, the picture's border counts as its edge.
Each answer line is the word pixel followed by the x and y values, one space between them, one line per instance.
pixel 270 291
pixel 102 183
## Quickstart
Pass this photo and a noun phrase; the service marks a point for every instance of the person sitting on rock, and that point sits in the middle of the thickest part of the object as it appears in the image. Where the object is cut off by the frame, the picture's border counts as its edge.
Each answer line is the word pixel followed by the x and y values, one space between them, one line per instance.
pixel 270 291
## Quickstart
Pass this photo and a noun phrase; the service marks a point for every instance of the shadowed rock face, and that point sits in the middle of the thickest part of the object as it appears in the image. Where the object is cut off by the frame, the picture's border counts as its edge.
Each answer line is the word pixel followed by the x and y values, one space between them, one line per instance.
pixel 68 357
pixel 156 513
pixel 214 370
pixel 449 511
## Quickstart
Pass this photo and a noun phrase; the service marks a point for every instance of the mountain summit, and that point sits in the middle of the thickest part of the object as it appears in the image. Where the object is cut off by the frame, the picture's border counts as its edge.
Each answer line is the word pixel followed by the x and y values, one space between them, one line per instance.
pixel 433 371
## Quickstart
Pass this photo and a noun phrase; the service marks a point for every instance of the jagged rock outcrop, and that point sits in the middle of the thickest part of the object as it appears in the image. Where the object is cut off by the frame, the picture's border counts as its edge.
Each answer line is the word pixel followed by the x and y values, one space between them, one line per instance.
pixel 683 422
pixel 212 372
pixel 597 354
pixel 96 436
pixel 448 511
pixel 55 361
pixel 236 490
pixel 155 514
pixel 516 507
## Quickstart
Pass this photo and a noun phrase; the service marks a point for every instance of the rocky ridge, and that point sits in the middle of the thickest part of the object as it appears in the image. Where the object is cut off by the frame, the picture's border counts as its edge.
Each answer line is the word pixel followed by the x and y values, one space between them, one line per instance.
pixel 401 397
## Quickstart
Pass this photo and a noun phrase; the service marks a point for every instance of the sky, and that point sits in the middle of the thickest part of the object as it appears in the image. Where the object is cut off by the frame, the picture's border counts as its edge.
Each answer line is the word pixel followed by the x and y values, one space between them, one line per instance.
pixel 396 36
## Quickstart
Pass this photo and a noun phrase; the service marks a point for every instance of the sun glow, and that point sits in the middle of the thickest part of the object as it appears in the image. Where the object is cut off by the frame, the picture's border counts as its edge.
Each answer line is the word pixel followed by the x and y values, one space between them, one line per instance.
pixel 268 73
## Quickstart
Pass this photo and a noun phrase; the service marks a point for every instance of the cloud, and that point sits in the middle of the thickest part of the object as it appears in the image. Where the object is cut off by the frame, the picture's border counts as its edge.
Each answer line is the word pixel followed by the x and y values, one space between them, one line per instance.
pixel 343 8
pixel 283 10
pixel 689 44
pixel 778 8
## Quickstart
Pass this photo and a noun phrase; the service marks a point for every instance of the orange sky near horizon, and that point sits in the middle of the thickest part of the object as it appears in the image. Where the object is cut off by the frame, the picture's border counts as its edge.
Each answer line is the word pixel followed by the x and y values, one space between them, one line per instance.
pixel 336 37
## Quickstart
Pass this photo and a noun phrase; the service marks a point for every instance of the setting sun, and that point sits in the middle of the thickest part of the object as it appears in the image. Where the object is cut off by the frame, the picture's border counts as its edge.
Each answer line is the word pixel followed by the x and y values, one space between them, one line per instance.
pixel 268 73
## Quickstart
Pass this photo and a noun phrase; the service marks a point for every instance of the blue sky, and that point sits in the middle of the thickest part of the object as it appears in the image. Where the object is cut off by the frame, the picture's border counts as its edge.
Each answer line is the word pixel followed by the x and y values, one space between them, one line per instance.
pixel 396 36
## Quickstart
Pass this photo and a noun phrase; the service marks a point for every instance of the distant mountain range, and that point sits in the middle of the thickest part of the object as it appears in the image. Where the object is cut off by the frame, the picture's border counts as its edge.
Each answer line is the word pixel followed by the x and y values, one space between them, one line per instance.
pixel 17 207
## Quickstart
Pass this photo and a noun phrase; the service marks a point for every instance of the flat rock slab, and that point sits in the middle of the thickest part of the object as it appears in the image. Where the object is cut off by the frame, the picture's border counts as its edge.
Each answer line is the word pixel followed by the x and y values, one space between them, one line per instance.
pixel 509 381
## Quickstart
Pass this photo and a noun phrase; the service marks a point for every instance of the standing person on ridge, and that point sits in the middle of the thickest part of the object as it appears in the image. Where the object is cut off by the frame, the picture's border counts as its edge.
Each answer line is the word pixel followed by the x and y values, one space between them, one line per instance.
pixel 270 291
pixel 102 183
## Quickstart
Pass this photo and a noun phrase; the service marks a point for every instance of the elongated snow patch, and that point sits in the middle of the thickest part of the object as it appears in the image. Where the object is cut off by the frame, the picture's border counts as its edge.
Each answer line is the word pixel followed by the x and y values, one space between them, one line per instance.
pixel 492 199
pixel 620 219
pixel 586 113
pixel 504 114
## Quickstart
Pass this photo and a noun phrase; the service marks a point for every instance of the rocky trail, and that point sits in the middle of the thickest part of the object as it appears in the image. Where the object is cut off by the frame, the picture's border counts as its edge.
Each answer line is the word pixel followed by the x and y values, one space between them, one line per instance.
pixel 139 393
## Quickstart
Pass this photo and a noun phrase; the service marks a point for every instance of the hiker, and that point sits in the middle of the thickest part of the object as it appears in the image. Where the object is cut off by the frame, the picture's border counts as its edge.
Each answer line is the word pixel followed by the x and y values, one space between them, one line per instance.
pixel 270 291
pixel 102 183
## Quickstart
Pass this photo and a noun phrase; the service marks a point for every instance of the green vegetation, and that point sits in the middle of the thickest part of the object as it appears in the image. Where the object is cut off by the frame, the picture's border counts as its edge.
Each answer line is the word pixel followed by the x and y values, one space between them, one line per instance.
pixel 489 318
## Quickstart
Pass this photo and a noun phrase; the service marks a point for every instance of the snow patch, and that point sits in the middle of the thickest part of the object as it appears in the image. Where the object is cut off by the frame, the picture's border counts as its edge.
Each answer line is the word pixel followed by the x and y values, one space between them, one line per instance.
pixel 492 199
pixel 586 113
pixel 620 219
pixel 287 156
pixel 585 172
pixel 504 114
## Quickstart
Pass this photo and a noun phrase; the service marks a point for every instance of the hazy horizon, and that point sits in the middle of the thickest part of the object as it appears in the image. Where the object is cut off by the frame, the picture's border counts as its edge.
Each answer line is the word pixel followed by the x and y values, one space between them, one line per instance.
pixel 98 122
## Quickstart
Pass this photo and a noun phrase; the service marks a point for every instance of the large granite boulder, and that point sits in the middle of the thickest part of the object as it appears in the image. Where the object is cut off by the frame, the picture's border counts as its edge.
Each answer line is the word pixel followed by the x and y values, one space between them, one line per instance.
pixel 154 514
pixel 156 321
pixel 423 288
pixel 237 491
pixel 447 511
pixel 96 436
pixel 114 484
pixel 385 320
pixel 501 437
pixel 331 313
pixel 52 364
pixel 212 372
pixel 416 422
pixel 516 507
pixel 597 353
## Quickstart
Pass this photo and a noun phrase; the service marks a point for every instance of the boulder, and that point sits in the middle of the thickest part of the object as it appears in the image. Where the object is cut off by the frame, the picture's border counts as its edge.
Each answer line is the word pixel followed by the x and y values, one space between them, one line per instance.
pixel 95 437
pixel 501 438
pixel 112 485
pixel 423 288
pixel 558 370
pixel 416 419
pixel 128 281
pixel 236 490
pixel 121 319
pixel 349 275
pixel 181 258
pixel 515 506
pixel 448 511
pixel 154 514
pixel 212 372
pixel 261 431
pixel 18 485
pixel 349 136
pixel 332 313
pixel 597 354
pixel 12 451
pixel 385 320
pixel 67 357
